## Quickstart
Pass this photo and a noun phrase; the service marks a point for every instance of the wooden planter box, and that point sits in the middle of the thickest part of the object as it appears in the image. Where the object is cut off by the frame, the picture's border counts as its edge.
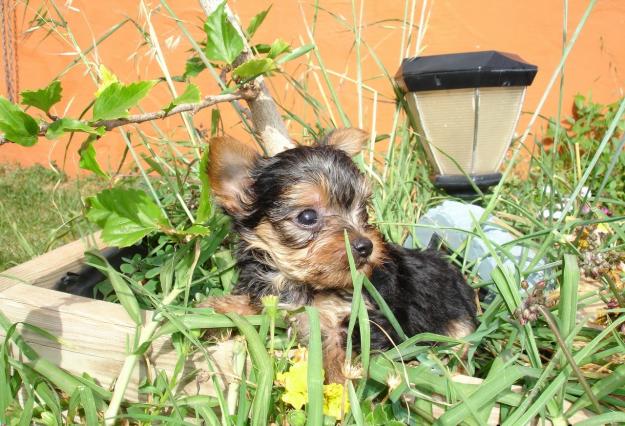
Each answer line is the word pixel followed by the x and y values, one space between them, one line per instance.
pixel 93 333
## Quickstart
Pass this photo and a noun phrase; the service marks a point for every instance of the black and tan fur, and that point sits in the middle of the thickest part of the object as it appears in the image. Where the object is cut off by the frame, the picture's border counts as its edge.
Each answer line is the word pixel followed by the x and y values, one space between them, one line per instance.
pixel 286 250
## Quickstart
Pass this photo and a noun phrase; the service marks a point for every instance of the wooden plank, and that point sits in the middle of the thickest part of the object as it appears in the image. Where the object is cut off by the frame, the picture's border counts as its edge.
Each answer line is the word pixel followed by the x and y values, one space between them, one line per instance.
pixel 47 269
pixel 94 335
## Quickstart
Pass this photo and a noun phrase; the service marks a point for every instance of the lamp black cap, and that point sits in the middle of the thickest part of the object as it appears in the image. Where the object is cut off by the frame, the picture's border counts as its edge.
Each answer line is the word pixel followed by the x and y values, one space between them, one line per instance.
pixel 464 70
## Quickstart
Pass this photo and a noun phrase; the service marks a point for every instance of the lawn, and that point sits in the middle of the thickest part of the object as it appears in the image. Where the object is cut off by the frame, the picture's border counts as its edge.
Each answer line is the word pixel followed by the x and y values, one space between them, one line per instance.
pixel 40 209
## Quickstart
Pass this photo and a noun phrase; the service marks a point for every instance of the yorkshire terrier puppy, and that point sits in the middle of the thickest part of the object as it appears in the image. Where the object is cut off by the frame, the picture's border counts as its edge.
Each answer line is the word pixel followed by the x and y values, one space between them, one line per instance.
pixel 291 212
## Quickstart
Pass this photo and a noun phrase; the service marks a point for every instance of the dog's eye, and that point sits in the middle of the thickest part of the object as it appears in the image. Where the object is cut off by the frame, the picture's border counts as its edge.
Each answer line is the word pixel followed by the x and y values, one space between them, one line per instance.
pixel 308 217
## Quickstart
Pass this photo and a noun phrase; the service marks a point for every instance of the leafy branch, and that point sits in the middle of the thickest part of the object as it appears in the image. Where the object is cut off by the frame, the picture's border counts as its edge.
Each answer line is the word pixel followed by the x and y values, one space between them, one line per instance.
pixel 49 129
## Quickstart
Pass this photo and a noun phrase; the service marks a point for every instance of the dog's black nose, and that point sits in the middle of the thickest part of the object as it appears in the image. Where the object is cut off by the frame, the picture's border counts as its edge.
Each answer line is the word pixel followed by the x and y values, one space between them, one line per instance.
pixel 362 246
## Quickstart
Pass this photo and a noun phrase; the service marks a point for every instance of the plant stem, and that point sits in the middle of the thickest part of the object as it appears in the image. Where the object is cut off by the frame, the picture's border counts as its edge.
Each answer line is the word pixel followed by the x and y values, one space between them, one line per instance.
pixel 569 357
pixel 150 116
pixel 130 362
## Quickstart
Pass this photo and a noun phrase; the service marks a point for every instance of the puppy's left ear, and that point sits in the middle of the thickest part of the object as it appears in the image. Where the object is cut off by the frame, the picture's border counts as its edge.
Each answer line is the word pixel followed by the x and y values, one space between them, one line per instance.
pixel 229 167
pixel 349 139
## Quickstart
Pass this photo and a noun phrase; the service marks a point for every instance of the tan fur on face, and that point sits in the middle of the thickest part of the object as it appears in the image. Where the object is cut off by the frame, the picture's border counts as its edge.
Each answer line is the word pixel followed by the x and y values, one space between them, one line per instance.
pixel 321 264
pixel 306 194
pixel 316 256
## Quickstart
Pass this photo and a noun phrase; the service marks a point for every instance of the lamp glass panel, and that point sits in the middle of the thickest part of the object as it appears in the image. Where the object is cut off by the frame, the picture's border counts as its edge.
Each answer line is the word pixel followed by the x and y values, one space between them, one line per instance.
pixel 499 109
pixel 447 119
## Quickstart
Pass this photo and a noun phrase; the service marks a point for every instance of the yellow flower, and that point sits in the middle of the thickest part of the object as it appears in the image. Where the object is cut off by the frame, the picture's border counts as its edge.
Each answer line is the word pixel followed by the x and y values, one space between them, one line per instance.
pixel 295 399
pixel 333 395
pixel 295 382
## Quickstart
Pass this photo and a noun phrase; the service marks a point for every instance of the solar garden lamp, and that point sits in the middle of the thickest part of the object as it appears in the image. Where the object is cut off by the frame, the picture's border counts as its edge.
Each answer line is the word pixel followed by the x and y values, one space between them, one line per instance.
pixel 465 106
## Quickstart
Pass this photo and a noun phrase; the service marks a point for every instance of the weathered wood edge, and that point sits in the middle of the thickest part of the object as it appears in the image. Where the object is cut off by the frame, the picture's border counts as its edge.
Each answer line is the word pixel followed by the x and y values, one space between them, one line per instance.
pixel 45 270
pixel 93 334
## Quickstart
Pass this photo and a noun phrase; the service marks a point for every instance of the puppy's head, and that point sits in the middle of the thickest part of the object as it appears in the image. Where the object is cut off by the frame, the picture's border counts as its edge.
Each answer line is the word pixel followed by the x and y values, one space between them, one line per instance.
pixel 294 208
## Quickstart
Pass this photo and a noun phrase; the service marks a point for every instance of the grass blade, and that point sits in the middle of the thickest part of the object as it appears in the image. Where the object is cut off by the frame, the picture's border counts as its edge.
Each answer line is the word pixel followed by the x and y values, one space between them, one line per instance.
pixel 88 404
pixel 27 412
pixel 567 308
pixel 314 410
pixel 354 403
pixel 264 367
pixel 603 387
pixel 122 289
pixel 485 395
pixel 604 419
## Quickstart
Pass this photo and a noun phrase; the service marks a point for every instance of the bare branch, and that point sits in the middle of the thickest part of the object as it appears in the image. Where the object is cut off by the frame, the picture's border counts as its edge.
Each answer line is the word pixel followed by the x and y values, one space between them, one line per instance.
pixel 268 122
pixel 208 101
pixel 193 108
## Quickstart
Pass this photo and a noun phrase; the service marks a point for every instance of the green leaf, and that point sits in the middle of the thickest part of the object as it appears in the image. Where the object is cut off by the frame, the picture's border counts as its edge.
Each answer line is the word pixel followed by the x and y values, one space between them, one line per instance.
pixel 183 271
pixel 262 48
pixel 197 231
pixel 224 262
pixel 254 67
pixel 88 159
pixel 191 95
pixel 27 412
pixel 16 125
pixel 278 47
pixel 51 400
pixel 256 22
pixel 296 418
pixel 122 289
pixel 204 208
pixel 58 127
pixel 116 99
pixel 166 274
pixel 43 98
pixel 125 215
pixel 302 50
pixel 224 42
pixel 106 79
pixel 193 67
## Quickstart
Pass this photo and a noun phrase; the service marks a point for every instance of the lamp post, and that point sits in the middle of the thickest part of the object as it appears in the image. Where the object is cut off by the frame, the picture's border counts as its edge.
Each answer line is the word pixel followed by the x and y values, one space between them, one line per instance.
pixel 465 107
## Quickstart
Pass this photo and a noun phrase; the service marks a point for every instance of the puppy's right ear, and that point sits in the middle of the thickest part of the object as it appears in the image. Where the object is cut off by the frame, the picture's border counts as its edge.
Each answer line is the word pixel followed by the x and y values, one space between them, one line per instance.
pixel 348 139
pixel 230 164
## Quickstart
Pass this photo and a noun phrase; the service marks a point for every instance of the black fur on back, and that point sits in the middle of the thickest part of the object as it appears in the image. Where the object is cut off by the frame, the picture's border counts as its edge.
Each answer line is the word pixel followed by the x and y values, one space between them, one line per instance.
pixel 424 291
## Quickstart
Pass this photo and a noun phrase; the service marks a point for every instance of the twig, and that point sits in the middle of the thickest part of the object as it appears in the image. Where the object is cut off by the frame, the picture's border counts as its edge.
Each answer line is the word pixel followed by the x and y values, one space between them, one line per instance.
pixel 247 94
pixel 551 322
pixel 267 121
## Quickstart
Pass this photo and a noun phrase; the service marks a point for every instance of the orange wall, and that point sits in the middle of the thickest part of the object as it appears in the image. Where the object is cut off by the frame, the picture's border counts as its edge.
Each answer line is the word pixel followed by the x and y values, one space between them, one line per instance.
pixel 531 28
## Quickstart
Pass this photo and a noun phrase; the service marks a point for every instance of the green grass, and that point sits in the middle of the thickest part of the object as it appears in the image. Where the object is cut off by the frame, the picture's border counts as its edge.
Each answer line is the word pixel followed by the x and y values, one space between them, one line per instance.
pixel 39 210
pixel 557 362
